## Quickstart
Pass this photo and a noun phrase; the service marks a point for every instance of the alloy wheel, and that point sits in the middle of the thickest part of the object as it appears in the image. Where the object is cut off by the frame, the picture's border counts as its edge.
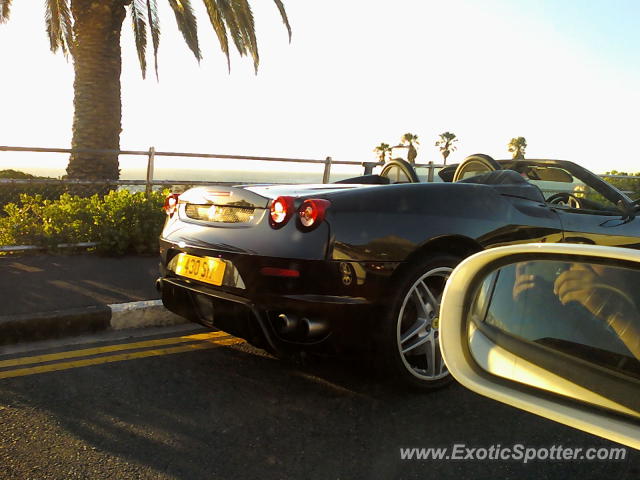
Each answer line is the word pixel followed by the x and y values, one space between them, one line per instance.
pixel 418 333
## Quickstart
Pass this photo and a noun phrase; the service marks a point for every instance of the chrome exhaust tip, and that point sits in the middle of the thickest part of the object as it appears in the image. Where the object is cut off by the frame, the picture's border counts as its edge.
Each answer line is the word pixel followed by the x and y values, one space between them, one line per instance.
pixel 159 284
pixel 314 327
pixel 287 323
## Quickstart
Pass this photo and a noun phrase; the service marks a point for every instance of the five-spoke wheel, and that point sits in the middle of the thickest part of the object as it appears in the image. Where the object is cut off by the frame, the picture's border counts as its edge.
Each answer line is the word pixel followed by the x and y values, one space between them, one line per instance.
pixel 411 334
pixel 418 326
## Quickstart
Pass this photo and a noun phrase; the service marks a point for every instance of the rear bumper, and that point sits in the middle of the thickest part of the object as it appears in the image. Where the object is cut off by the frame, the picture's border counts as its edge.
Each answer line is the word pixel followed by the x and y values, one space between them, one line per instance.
pixel 318 282
pixel 337 320
pixel 303 304
pixel 338 298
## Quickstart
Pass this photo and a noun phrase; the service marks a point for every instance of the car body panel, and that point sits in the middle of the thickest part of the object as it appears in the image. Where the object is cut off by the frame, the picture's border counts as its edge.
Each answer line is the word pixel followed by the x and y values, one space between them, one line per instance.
pixel 392 226
pixel 599 229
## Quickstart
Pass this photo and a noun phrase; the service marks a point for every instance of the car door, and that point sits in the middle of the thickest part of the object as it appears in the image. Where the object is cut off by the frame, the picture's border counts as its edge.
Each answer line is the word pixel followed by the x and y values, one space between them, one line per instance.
pixel 596 227
pixel 590 210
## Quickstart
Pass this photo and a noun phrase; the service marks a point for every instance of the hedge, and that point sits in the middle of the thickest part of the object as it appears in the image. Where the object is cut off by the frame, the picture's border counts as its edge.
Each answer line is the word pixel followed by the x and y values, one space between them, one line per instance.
pixel 120 222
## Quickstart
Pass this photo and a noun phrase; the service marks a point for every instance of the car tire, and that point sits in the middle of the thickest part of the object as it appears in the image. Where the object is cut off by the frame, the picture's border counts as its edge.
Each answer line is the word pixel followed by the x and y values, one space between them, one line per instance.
pixel 410 345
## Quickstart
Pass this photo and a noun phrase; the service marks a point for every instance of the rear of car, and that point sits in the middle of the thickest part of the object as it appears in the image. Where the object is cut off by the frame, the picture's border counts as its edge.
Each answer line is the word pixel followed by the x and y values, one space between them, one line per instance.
pixel 253 261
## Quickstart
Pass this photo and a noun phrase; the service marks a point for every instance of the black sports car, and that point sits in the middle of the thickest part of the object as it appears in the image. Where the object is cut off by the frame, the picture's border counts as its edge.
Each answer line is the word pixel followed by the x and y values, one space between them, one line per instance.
pixel 362 263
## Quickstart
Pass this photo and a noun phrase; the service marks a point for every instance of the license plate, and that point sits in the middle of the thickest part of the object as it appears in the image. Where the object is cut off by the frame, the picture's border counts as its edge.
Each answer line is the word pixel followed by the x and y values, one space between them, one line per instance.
pixel 205 269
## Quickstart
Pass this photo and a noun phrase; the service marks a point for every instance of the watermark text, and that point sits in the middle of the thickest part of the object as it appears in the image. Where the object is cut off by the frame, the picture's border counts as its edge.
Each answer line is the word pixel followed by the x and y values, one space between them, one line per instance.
pixel 514 453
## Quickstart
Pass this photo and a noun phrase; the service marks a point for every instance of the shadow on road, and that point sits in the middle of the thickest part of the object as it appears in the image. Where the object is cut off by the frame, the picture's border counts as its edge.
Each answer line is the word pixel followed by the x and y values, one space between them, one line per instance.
pixel 238 413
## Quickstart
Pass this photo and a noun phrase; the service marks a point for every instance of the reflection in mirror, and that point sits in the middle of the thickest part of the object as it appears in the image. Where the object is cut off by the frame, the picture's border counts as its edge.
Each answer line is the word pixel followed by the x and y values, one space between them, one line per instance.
pixel 569 327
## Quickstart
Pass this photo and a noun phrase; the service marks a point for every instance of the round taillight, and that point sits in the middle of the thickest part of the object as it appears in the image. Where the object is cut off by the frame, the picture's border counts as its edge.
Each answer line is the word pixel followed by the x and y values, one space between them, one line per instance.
pixel 171 203
pixel 280 211
pixel 312 212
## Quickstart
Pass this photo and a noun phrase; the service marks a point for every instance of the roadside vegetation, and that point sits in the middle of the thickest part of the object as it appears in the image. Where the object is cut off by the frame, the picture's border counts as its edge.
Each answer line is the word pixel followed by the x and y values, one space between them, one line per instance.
pixel 446 144
pixel 120 222
pixel 631 185
pixel 517 147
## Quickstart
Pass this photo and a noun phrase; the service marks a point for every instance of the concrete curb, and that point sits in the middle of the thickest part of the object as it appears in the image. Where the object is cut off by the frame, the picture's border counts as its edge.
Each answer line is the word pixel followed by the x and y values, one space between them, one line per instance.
pixel 78 321
pixel 150 313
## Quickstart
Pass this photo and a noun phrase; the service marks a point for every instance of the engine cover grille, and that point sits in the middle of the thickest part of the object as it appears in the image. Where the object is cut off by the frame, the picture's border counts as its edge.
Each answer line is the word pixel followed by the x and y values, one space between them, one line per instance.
pixel 219 213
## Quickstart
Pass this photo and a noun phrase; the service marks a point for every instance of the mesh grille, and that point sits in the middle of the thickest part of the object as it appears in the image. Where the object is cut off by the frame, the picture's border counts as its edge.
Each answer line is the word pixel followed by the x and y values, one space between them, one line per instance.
pixel 218 213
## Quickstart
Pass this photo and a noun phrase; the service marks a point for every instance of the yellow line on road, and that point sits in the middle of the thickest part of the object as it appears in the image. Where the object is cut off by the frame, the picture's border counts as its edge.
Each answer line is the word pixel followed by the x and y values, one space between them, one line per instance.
pixel 53 367
pixel 16 362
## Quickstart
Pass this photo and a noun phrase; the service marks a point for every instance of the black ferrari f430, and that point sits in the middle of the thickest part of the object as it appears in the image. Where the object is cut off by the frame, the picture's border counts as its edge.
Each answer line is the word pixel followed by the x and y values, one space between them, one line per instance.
pixel 362 263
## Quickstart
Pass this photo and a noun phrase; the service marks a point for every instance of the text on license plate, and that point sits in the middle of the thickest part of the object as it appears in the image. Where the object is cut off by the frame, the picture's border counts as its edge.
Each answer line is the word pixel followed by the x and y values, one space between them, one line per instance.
pixel 205 269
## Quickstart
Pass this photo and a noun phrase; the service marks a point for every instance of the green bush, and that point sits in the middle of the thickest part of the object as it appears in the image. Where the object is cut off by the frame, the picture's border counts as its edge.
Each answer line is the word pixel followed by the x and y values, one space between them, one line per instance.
pixel 121 222
pixel 129 222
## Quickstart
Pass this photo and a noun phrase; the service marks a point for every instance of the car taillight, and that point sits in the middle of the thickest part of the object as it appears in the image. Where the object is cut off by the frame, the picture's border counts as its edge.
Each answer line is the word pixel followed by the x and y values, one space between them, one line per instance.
pixel 171 203
pixel 280 211
pixel 312 212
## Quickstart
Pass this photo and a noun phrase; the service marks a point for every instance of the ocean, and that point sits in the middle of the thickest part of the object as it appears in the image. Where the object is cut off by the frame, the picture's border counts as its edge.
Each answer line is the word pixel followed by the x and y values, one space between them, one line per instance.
pixel 213 175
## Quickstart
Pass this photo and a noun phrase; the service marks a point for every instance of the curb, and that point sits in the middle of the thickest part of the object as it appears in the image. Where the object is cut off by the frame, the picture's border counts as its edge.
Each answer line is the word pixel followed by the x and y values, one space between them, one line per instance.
pixel 78 321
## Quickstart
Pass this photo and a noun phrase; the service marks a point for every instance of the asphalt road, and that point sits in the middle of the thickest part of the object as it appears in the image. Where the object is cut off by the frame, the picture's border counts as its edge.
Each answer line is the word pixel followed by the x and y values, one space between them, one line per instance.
pixel 175 406
pixel 46 283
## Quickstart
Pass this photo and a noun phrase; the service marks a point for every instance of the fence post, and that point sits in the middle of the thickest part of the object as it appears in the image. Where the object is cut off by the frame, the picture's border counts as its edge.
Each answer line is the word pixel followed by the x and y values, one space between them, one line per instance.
pixel 430 174
pixel 327 170
pixel 369 166
pixel 152 155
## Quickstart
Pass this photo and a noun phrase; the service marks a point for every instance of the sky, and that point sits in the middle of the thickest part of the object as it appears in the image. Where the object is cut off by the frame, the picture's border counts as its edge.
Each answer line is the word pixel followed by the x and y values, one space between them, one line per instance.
pixel 562 73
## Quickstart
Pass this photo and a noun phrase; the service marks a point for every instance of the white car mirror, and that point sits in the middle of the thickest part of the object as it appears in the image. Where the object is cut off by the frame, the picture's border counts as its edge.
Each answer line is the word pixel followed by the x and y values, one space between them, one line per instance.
pixel 553 329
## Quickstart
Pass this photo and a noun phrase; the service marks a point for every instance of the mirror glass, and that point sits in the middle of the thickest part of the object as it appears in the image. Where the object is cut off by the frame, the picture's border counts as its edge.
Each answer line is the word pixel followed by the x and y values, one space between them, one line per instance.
pixel 569 327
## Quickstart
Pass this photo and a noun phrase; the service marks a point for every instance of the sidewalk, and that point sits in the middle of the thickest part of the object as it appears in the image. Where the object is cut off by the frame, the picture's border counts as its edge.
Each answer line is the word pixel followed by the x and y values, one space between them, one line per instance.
pixel 45 296
pixel 44 283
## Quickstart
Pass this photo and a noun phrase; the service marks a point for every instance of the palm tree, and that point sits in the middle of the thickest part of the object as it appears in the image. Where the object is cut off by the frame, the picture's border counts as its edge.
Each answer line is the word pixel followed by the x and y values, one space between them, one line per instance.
pixel 409 139
pixel 517 146
pixel 90 30
pixel 382 150
pixel 446 144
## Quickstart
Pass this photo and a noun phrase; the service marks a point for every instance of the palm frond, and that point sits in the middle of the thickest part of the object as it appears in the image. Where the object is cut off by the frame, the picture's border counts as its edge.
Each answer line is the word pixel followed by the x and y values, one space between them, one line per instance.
pixel 139 23
pixel 234 18
pixel 5 10
pixel 59 27
pixel 228 10
pixel 283 14
pixel 187 24
pixel 247 26
pixel 154 26
pixel 219 27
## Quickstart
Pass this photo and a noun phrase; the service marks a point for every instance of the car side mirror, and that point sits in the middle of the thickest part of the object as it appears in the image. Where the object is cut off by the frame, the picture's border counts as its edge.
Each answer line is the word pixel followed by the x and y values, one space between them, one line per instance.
pixel 553 329
pixel 628 210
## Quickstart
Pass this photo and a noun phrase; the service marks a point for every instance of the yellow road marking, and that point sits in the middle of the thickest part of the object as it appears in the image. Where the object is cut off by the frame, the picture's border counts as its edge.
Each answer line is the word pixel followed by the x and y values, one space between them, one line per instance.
pixel 53 367
pixel 16 362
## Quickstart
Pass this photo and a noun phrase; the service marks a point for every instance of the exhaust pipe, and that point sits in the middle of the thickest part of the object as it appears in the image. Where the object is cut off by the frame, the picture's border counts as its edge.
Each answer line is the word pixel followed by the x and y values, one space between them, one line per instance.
pixel 314 327
pixel 287 323
pixel 159 284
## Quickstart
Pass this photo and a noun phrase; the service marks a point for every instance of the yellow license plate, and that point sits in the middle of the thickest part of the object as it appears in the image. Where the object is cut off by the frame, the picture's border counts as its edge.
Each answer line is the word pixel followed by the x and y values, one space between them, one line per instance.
pixel 206 269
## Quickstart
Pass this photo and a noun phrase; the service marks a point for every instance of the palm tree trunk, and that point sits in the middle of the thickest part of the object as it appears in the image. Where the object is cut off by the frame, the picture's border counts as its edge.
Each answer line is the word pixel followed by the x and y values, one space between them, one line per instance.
pixel 97 103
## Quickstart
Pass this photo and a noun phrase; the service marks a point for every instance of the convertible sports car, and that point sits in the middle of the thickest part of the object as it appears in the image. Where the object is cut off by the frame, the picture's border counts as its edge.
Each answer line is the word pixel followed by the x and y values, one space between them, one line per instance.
pixel 362 263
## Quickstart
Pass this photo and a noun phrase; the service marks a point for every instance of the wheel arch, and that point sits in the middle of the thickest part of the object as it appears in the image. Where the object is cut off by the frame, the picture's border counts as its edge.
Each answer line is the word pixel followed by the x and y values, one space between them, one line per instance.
pixel 457 245
pixel 430 260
